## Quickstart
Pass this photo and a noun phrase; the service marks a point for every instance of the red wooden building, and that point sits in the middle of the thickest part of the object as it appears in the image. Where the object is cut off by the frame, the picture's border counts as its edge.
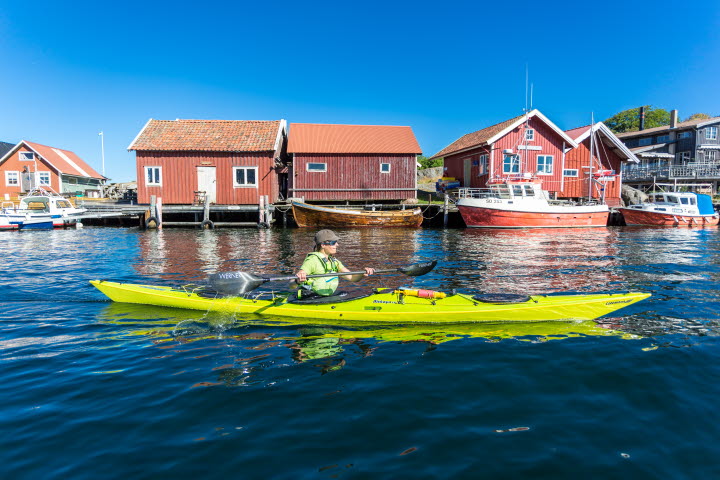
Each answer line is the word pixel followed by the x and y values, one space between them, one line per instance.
pixel 601 177
pixel 29 164
pixel 234 162
pixel 533 144
pixel 352 162
pixel 527 143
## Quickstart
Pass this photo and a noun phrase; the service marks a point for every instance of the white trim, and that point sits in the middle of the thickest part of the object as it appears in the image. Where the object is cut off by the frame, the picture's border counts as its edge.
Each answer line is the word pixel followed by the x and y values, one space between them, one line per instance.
pixel 20 159
pixel 278 137
pixel 307 167
pixel 552 165
pixel 600 126
pixel 145 177
pixel 577 172
pixel 529 147
pixel 17 177
pixel 521 120
pixel 62 155
pixel 37 179
pixel 709 121
pixel 235 168
pixel 385 163
pixel 138 135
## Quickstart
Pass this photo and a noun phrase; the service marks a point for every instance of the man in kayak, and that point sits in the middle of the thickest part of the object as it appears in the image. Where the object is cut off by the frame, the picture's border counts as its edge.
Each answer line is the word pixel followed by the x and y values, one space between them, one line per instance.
pixel 322 260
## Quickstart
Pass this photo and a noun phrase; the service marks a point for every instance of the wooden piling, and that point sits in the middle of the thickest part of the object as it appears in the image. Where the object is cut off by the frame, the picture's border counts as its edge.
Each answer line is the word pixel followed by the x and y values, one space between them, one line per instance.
pixel 446 207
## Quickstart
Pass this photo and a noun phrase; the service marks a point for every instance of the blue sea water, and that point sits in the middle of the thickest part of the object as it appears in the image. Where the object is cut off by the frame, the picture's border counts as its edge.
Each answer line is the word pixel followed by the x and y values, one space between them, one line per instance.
pixel 92 389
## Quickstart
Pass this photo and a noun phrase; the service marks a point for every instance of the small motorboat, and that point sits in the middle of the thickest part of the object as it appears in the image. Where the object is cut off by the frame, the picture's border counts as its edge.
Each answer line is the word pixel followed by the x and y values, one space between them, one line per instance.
pixel 39 205
pixel 672 209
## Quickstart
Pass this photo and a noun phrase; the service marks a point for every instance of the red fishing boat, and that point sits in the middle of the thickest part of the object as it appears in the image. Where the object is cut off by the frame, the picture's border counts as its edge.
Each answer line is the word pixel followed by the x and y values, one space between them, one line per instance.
pixel 673 209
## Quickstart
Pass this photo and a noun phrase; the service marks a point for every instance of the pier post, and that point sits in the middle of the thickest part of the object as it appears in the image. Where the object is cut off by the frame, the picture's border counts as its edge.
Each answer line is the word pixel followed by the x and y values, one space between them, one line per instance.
pixel 445 211
pixel 268 215
pixel 152 221
pixel 206 223
pixel 261 211
pixel 158 215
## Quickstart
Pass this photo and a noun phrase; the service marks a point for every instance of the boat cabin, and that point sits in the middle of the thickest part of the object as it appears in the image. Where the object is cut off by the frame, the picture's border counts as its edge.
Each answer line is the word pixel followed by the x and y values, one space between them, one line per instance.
pixel 527 189
pixel 678 203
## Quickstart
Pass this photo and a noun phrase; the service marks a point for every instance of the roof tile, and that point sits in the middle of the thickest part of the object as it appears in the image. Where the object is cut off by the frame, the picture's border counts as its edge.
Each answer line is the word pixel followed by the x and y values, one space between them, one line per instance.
pixel 475 139
pixel 378 139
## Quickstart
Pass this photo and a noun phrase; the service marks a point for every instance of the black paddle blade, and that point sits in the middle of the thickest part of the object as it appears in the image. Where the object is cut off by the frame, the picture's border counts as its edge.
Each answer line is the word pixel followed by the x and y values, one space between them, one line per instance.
pixel 418 269
pixel 235 283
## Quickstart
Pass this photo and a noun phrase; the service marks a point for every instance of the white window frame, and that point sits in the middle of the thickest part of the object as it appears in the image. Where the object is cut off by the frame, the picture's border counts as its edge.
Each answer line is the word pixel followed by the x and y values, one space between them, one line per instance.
pixel 512 166
pixel 530 135
pixel 157 178
pixel 388 168
pixel 41 175
pixel 711 133
pixel 244 185
pixel 483 165
pixel 8 178
pixel 644 142
pixel 710 156
pixel 314 170
pixel 684 156
pixel 567 172
pixel 545 165
pixel 26 156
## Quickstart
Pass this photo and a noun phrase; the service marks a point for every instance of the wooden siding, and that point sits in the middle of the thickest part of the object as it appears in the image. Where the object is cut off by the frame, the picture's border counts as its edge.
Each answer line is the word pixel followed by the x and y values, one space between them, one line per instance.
pixel 180 180
pixel 579 159
pixel 549 142
pixel 13 164
pixel 354 177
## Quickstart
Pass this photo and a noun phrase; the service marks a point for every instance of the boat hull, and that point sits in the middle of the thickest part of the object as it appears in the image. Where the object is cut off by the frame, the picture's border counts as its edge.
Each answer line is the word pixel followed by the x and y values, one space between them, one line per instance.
pixel 637 217
pixel 314 216
pixel 384 307
pixel 487 217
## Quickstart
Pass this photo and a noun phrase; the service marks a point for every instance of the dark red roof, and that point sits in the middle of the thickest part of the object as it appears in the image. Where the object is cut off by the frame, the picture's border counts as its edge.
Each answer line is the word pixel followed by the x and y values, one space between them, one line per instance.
pixel 65 161
pixel 208 135
pixel 475 139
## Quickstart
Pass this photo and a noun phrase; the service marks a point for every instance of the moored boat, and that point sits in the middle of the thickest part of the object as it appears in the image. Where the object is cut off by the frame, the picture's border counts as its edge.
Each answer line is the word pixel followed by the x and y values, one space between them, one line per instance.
pixel 672 209
pixel 522 203
pixel 385 306
pixel 314 216
pixel 40 205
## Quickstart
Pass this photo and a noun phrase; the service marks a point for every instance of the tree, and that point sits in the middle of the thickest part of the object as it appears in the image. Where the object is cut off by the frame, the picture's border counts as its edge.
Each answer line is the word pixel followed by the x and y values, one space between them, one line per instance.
pixel 698 116
pixel 629 120
pixel 427 163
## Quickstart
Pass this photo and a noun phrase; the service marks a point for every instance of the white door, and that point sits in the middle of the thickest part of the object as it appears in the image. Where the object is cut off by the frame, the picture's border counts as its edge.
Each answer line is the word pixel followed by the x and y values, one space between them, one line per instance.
pixel 467 168
pixel 206 182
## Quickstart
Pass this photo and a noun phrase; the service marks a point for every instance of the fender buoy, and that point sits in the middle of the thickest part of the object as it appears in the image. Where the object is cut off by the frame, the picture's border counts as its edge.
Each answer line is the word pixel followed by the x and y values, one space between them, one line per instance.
pixel 207 225
pixel 151 222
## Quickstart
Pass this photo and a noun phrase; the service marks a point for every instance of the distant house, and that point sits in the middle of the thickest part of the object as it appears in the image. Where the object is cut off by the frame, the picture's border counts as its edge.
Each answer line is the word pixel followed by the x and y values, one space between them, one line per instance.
pixel 682 152
pixel 28 165
pixel 234 162
pixel 599 178
pixel 528 143
pixel 353 162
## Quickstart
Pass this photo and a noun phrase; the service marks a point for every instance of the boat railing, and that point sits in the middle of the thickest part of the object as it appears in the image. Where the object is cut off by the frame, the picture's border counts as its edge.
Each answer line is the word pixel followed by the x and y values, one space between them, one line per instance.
pixel 479 193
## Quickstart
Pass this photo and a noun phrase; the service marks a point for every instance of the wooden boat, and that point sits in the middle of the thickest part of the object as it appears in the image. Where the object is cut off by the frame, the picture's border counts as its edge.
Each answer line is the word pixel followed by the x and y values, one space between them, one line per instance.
pixel 673 209
pixel 522 203
pixel 314 216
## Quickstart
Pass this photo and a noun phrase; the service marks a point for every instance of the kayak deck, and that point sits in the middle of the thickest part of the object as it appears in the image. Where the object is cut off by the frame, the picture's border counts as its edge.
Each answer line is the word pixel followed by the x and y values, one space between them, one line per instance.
pixel 383 307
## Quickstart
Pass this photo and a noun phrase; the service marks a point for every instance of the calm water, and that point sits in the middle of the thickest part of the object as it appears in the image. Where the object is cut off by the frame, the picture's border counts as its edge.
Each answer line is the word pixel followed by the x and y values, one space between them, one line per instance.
pixel 95 390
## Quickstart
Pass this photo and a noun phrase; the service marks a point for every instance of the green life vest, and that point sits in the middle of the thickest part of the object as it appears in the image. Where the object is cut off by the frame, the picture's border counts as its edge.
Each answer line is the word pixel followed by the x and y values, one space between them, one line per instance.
pixel 316 263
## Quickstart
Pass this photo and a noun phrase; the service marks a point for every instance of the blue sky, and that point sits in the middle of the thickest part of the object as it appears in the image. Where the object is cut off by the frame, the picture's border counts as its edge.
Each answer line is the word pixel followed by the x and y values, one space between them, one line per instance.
pixel 444 68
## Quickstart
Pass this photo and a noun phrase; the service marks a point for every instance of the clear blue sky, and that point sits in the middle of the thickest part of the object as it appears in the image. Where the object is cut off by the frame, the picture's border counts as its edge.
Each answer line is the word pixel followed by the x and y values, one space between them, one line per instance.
pixel 71 70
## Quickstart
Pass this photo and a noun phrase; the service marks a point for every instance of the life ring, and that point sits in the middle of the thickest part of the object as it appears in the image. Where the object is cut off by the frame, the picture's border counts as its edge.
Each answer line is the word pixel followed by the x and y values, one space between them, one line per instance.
pixel 263 225
pixel 207 225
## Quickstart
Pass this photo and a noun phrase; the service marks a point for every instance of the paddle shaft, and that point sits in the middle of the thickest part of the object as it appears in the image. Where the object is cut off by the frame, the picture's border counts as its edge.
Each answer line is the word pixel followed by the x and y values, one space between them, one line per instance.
pixel 336 274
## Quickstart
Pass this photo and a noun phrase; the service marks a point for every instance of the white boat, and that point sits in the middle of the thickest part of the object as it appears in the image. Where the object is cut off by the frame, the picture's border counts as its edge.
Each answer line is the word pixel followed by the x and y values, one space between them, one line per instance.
pixel 522 203
pixel 40 206
pixel 672 209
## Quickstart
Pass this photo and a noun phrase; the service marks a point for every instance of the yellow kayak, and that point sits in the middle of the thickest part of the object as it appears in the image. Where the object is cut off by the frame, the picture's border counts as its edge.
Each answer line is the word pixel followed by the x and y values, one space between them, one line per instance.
pixel 385 306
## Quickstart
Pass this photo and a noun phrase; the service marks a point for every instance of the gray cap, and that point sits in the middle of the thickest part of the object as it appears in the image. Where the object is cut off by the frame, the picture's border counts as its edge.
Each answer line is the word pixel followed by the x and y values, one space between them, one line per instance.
pixel 325 236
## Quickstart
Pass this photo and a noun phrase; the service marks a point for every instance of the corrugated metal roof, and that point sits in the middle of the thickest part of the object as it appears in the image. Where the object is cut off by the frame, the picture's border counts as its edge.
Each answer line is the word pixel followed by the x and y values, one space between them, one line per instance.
pixel 475 139
pixel 208 135
pixel 65 161
pixel 378 139
pixel 666 128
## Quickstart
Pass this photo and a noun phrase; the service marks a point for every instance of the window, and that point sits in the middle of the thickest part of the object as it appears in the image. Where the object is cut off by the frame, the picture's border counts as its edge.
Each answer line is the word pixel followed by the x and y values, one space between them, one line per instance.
pixel 153 176
pixel 570 172
pixel 245 176
pixel 545 164
pixel 511 164
pixel 482 165
pixel 12 179
pixel 711 133
pixel 710 156
pixel 27 156
pixel 663 139
pixel 384 168
pixel 529 134
pixel 72 181
pixel 43 178
pixel 529 191
pixel 683 157
pixel 644 141
pixel 316 167
pixel 684 135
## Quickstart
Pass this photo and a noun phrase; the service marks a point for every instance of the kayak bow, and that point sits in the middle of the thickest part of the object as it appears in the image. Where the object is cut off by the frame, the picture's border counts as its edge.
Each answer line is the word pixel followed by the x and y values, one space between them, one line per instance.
pixel 387 306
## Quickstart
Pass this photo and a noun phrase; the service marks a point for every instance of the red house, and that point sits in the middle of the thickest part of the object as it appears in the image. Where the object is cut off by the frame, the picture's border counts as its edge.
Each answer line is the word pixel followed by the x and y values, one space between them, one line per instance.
pixel 527 143
pixel 352 162
pixel 234 162
pixel 28 165
pixel 583 178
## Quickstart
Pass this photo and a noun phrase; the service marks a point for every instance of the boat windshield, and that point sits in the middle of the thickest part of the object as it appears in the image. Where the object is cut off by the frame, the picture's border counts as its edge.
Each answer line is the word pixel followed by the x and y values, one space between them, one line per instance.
pixel 529 191
pixel 63 204
pixel 502 191
pixel 35 203
pixel 517 190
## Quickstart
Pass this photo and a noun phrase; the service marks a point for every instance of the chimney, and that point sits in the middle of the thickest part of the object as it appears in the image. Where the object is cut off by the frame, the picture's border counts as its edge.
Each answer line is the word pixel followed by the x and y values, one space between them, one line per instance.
pixel 673 118
pixel 642 118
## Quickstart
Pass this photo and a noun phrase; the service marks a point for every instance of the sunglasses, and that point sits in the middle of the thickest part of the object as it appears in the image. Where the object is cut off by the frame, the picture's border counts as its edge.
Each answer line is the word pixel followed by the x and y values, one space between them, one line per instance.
pixel 330 242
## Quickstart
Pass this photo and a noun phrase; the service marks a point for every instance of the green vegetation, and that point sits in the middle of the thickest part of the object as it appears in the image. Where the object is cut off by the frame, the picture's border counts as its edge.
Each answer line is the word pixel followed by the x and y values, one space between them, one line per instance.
pixel 698 116
pixel 629 120
pixel 427 163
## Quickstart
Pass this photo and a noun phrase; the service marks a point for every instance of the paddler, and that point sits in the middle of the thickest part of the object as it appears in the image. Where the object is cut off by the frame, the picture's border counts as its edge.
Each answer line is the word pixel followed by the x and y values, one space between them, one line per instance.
pixel 322 260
